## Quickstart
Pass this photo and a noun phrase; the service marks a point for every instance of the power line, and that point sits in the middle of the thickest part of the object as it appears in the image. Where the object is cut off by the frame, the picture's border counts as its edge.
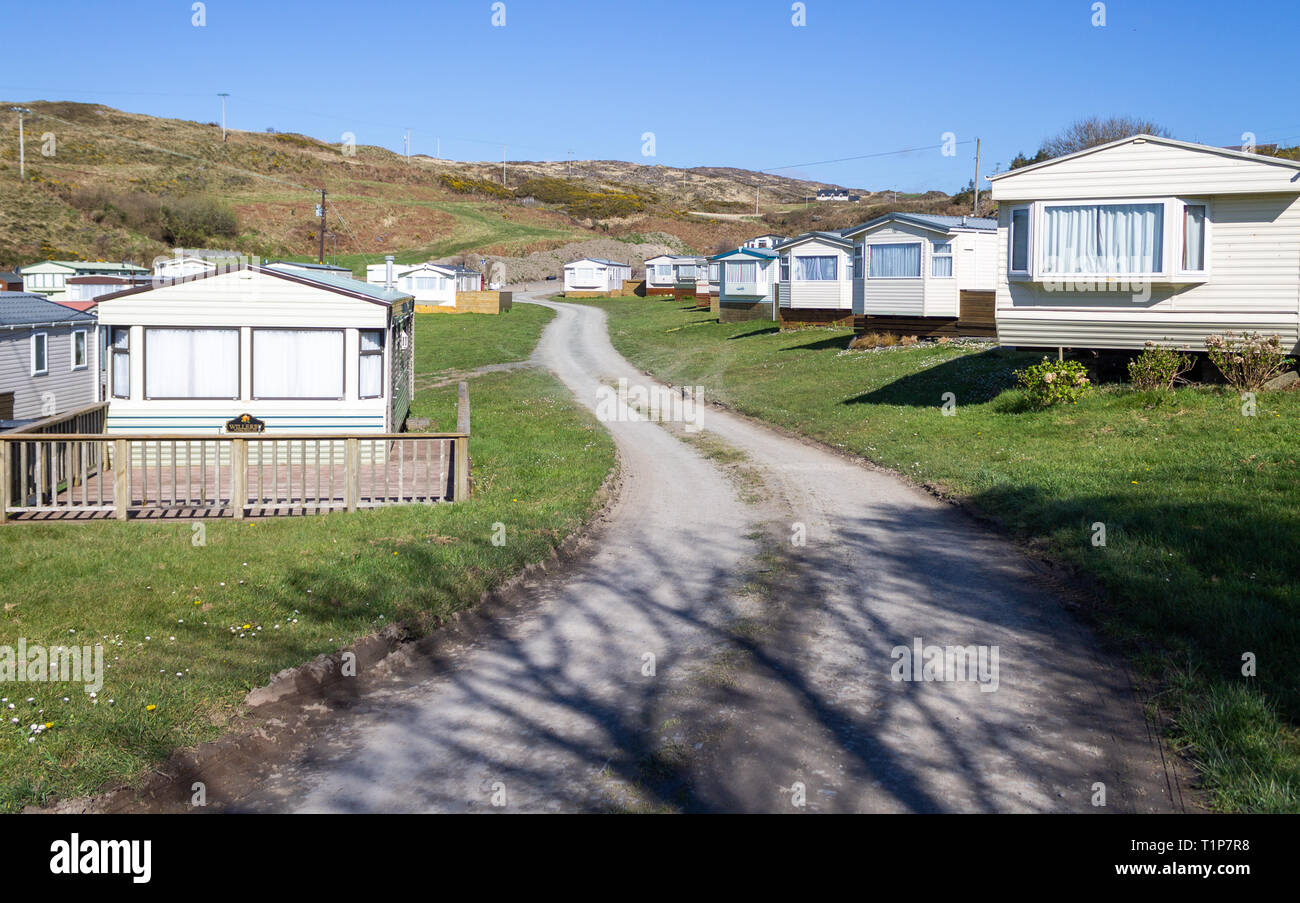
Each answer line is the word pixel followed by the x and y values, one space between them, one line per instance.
pixel 906 150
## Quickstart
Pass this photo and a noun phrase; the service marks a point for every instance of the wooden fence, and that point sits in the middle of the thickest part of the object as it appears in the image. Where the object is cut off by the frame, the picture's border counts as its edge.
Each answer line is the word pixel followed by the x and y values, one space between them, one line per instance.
pixel 79 476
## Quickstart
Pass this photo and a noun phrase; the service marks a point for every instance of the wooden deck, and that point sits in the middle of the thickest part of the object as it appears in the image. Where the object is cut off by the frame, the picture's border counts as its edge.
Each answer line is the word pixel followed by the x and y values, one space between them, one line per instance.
pixel 180 478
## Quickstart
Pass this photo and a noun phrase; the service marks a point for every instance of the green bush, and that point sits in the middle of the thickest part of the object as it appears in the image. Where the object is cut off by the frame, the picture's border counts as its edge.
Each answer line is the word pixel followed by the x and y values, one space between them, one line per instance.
pixel 1249 360
pixel 1054 382
pixel 1158 367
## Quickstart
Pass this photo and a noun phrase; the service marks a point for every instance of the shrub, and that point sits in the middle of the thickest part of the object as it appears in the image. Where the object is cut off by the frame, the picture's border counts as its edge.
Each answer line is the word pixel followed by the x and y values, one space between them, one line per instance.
pixel 1247 361
pixel 1158 367
pixel 1054 382
pixel 908 340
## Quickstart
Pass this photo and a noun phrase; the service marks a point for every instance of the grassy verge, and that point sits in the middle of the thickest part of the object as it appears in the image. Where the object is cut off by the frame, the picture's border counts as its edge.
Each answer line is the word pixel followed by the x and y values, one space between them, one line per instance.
pixel 190 630
pixel 1200 504
pixel 450 342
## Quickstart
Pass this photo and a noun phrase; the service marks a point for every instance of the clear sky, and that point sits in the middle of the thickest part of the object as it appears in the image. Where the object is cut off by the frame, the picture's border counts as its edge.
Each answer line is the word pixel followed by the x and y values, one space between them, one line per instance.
pixel 718 82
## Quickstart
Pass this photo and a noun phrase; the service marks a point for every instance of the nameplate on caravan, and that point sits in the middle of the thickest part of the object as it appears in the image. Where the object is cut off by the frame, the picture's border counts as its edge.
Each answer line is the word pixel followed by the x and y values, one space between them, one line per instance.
pixel 245 423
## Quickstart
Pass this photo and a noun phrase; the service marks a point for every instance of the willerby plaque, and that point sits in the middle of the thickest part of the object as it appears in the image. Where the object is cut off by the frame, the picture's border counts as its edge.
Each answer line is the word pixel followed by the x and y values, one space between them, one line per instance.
pixel 245 423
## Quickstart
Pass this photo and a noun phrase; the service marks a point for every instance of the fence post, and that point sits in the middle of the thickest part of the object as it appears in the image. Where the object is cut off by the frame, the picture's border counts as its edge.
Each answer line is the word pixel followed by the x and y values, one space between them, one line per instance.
pixel 352 473
pixel 462 408
pixel 121 478
pixel 238 477
pixel 4 482
pixel 461 454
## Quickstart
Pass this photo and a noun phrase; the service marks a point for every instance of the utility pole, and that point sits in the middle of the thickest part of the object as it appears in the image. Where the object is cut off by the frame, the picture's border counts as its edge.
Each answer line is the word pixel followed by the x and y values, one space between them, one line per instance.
pixel 568 172
pixel 757 189
pixel 976 183
pixel 22 158
pixel 408 147
pixel 223 97
pixel 321 210
pixel 438 155
pixel 503 166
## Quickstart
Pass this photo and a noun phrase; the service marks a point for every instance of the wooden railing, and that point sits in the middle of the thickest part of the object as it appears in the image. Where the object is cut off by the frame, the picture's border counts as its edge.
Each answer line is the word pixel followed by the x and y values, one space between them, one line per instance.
pixel 88 475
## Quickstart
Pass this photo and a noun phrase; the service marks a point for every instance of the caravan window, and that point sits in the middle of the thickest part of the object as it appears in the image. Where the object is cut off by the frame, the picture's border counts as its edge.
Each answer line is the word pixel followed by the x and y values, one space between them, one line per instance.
pixel 1019 252
pixel 1193 238
pixel 816 269
pixel 371 367
pixel 191 363
pixel 298 363
pixel 741 272
pixel 121 359
pixel 897 261
pixel 941 260
pixel 79 349
pixel 40 354
pixel 1103 239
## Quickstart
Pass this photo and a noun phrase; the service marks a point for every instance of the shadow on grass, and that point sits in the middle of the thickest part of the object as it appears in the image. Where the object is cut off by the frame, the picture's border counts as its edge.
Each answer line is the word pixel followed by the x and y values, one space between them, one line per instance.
pixel 836 343
pixel 972 378
pixel 765 330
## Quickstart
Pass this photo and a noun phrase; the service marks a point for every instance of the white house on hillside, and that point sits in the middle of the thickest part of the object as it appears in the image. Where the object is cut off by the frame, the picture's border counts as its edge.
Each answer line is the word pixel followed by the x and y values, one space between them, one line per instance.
pixel 815 282
pixel 592 275
pixel 925 275
pixel 50 277
pixel 1148 239
pixel 304 352
pixel 767 241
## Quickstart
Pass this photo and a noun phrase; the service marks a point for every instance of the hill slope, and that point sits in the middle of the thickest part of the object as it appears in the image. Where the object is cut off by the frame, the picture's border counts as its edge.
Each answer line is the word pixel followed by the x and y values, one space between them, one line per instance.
pixel 110 184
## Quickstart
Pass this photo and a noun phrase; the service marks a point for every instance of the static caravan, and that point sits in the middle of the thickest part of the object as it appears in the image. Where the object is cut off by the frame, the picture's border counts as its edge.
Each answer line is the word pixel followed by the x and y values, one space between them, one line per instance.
pixel 48 358
pixel 184 264
pixel 295 266
pixel 303 352
pixel 766 241
pixel 1148 239
pixel 81 291
pixel 670 274
pixel 50 277
pixel 925 275
pixel 433 285
pixel 592 277
pixel 746 284
pixel 815 281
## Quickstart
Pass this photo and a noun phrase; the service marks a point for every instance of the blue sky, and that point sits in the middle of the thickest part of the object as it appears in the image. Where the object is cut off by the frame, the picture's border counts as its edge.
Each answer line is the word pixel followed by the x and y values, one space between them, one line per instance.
pixel 718 82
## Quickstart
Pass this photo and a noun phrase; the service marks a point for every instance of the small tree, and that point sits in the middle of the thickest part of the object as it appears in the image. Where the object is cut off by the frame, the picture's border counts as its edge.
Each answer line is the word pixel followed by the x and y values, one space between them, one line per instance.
pixel 1085 133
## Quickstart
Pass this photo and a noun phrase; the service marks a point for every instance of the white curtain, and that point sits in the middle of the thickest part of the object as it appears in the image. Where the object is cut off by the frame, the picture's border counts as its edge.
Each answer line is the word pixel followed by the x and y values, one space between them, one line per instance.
pixel 686 271
pixel 372 363
pixel 1194 238
pixel 941 261
pixel 741 271
pixel 1103 239
pixel 191 363
pixel 584 276
pixel 815 269
pixel 664 271
pixel 896 261
pixel 297 363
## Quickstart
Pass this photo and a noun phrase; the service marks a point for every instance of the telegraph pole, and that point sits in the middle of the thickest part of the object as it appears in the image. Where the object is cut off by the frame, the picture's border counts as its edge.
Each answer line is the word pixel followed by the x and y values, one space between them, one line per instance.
pixel 976 210
pixel 223 97
pixel 22 158
pixel 408 147
pixel 503 166
pixel 321 210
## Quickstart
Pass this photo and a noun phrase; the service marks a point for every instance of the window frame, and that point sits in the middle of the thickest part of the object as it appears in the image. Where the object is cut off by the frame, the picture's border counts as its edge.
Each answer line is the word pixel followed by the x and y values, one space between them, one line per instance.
pixel 44 337
pixel 1182 204
pixel 1037 218
pixel 362 354
pixel 832 257
pixel 252 354
pixel 859 260
pixel 239 364
pixel 85 349
pixel 784 273
pixel 920 257
pixel 950 255
pixel 113 352
pixel 1029 240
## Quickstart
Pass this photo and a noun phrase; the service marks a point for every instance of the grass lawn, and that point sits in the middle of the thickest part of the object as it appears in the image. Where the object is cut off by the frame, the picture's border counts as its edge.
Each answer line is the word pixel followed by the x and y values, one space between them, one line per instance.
pixel 449 342
pixel 191 630
pixel 1200 504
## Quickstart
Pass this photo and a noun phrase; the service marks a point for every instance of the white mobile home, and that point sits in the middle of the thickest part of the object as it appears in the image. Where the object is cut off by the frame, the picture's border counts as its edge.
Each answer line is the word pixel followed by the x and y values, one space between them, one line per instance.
pixel 48 358
pixel 303 352
pixel 670 272
pixel 925 275
pixel 431 284
pixel 593 276
pixel 766 241
pixel 815 282
pixel 746 284
pixel 1148 239
pixel 50 277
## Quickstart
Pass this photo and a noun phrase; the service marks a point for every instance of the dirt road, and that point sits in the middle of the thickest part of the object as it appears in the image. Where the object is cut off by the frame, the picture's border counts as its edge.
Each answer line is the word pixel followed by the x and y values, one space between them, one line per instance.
pixel 703 658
